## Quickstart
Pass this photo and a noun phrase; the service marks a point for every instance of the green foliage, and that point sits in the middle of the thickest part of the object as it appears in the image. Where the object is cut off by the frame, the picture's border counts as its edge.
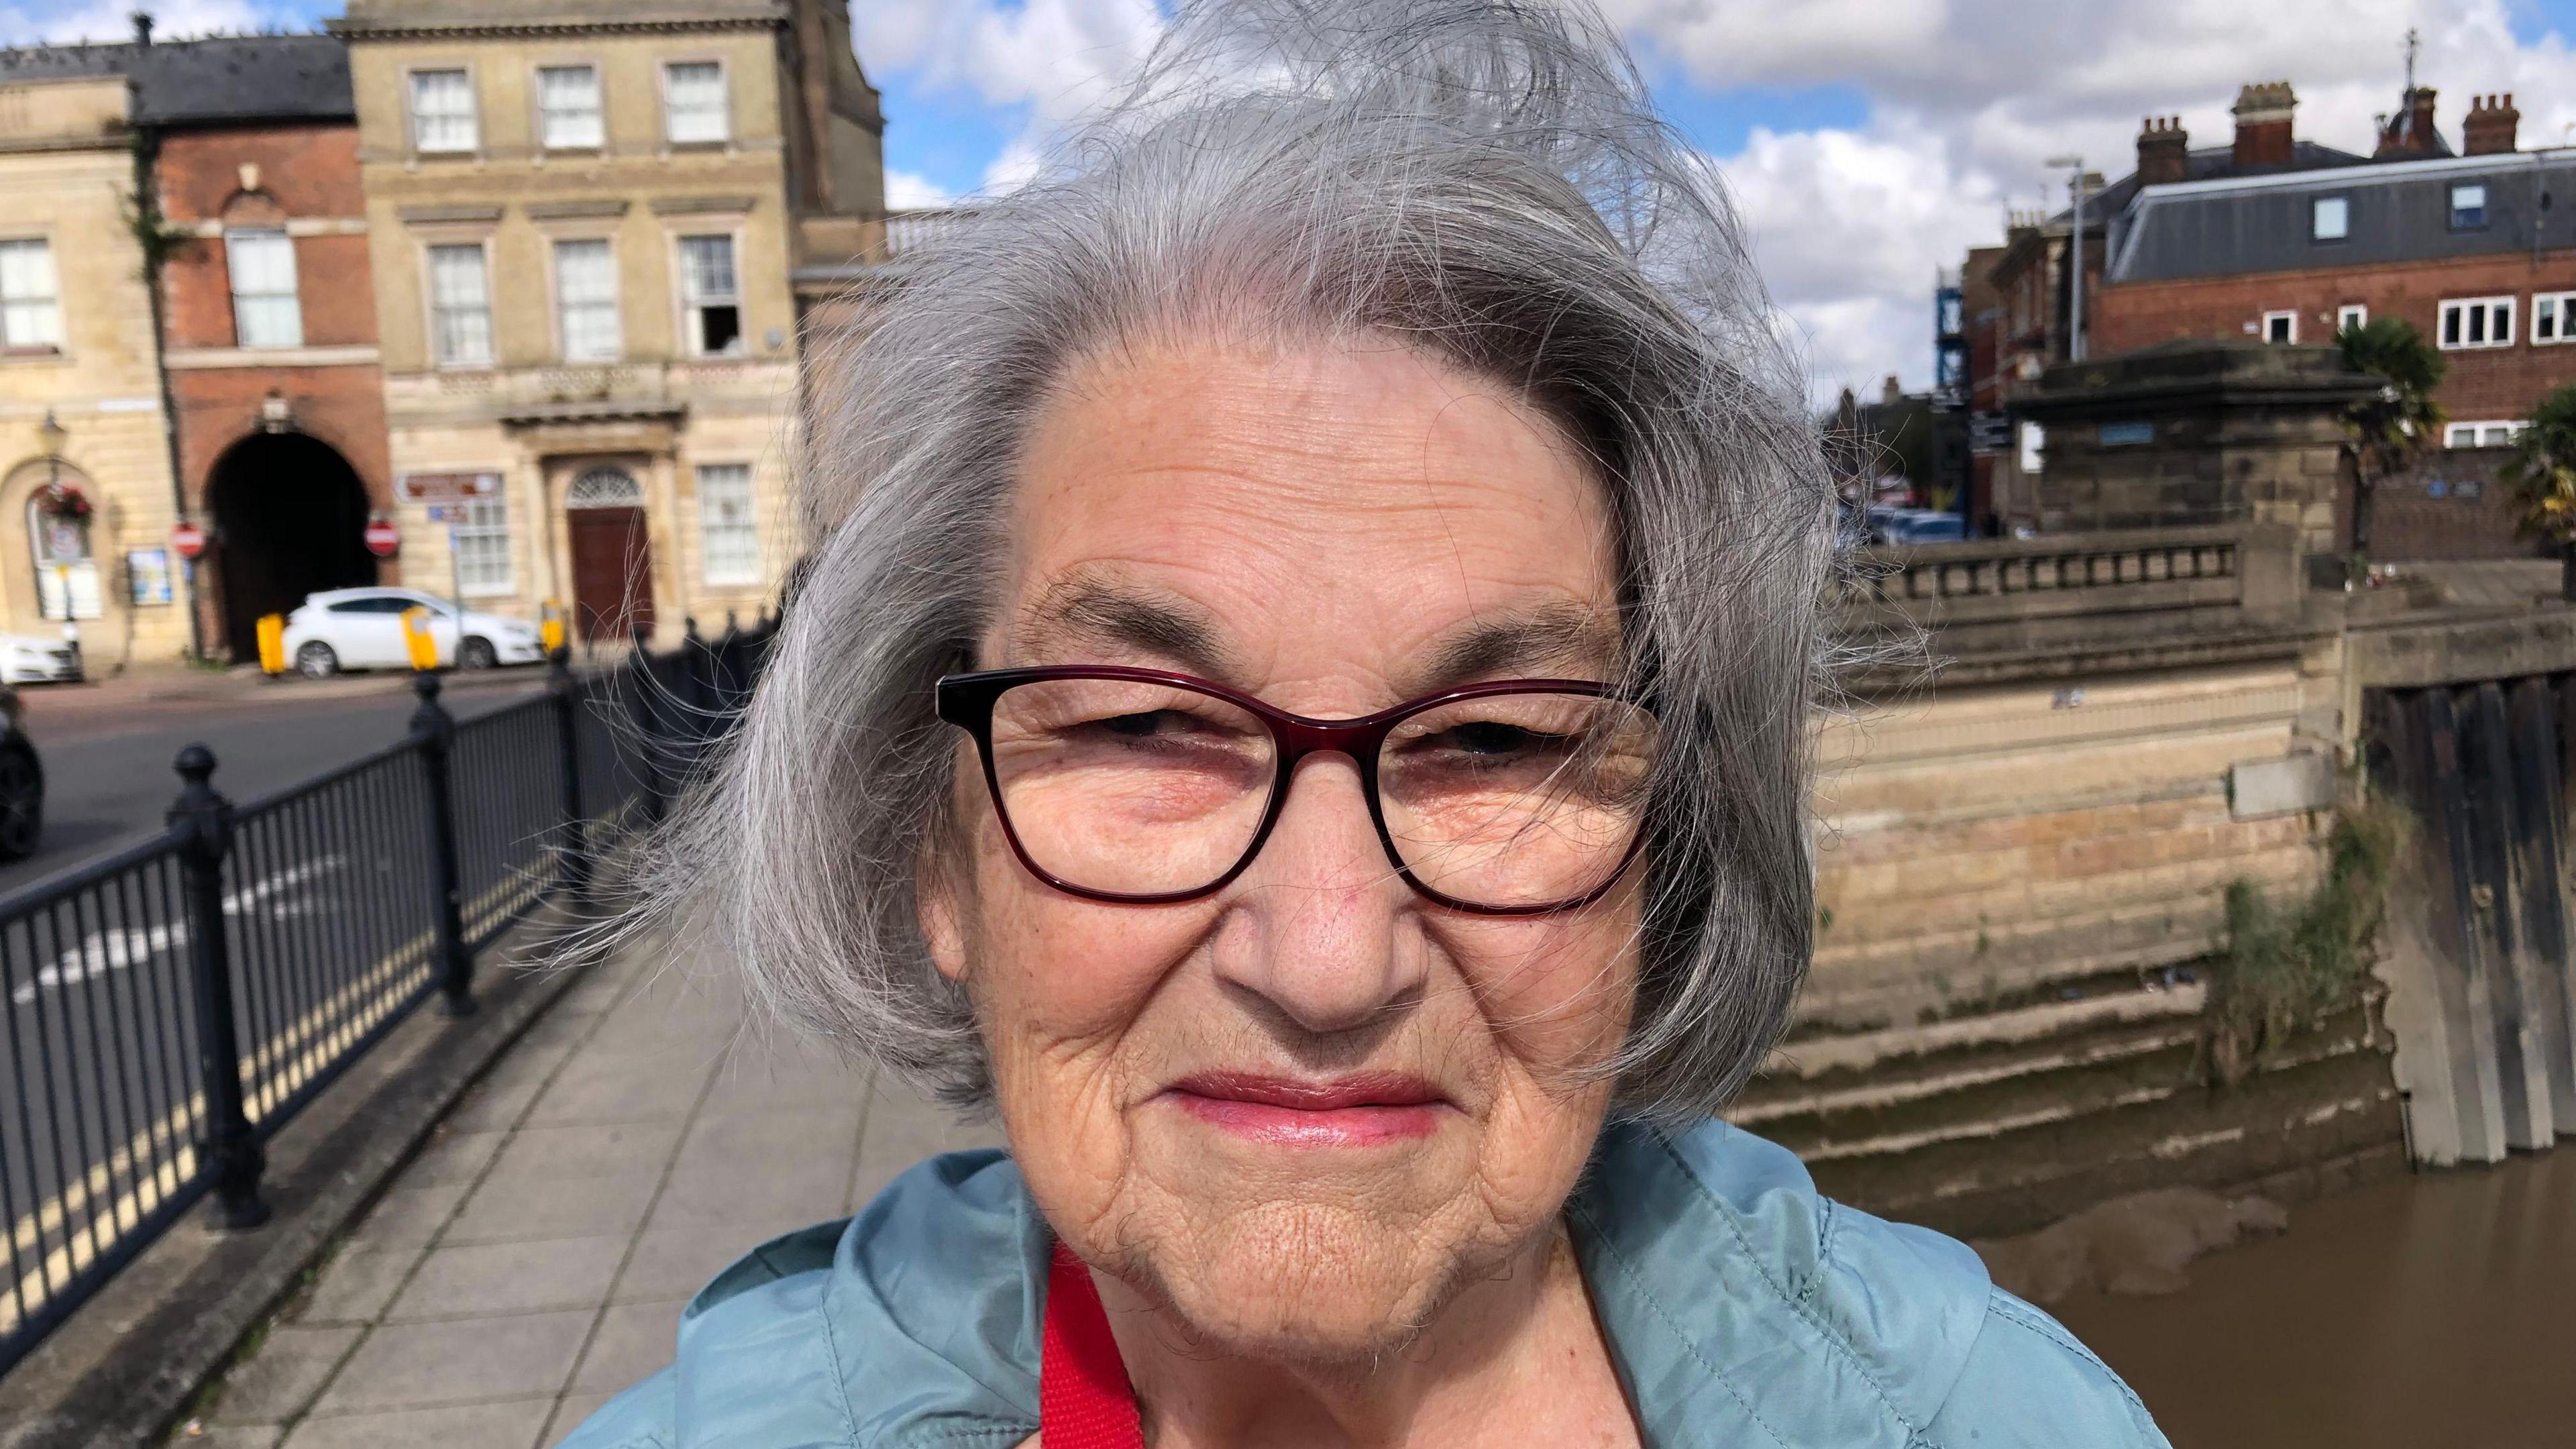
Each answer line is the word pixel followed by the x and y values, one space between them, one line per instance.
pixel 2277 970
pixel 2542 471
pixel 2388 428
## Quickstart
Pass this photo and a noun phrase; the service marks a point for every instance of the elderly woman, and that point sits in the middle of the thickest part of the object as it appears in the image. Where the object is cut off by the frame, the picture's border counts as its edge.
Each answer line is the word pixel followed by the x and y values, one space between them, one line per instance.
pixel 1300 707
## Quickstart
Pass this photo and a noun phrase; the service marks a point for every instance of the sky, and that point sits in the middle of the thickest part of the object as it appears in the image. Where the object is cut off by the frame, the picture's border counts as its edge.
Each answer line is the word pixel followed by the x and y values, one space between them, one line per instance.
pixel 1868 142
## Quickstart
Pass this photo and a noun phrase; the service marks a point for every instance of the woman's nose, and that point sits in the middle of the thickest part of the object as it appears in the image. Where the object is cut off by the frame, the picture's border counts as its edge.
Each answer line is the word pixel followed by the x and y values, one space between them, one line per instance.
pixel 1318 923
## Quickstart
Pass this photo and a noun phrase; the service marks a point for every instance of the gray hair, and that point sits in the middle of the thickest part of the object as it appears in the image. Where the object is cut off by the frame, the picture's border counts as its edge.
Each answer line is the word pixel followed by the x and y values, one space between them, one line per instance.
pixel 1481 179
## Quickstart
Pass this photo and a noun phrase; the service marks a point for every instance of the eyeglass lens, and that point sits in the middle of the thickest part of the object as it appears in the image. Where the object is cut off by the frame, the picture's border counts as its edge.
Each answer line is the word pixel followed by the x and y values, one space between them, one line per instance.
pixel 1127 787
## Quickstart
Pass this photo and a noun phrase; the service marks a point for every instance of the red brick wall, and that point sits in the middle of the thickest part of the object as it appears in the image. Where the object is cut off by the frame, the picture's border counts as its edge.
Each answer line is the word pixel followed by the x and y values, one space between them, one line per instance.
pixel 308 174
pixel 2449 506
pixel 2482 384
pixel 305 172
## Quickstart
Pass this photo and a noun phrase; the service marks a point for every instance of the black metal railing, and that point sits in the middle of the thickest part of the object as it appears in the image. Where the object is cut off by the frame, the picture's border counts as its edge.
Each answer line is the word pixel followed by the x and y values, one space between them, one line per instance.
pixel 170 1007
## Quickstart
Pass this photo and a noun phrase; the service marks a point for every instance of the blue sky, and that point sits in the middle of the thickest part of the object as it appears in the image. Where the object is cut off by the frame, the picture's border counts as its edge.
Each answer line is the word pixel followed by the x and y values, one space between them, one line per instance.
pixel 1869 141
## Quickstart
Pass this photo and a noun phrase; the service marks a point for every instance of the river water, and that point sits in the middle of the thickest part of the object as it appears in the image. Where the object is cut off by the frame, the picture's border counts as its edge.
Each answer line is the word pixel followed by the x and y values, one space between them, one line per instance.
pixel 2436 1310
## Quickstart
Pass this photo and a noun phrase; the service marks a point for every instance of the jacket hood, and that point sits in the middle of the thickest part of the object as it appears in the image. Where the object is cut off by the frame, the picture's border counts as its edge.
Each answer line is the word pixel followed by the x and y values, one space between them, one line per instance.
pixel 1740 1308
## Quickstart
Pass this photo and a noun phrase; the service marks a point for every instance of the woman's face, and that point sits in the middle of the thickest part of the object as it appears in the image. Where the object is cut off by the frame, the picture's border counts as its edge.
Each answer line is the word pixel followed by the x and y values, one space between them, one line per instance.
pixel 1301 1112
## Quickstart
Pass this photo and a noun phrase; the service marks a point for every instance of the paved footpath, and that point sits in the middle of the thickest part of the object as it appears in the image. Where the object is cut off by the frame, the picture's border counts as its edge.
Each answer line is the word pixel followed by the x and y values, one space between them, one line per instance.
pixel 533 1260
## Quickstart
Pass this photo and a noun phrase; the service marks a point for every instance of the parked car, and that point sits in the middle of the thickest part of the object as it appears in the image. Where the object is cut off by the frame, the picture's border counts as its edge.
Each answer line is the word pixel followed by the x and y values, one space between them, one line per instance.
pixel 39 659
pixel 363 629
pixel 1893 525
pixel 22 782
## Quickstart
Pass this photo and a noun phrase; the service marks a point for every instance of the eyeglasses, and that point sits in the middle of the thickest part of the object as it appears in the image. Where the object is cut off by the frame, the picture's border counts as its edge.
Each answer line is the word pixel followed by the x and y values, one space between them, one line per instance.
pixel 1145 788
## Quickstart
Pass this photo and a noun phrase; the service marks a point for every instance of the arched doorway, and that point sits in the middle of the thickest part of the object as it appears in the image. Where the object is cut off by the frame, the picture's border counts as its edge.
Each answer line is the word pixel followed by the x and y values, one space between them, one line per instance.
pixel 290 520
pixel 612 554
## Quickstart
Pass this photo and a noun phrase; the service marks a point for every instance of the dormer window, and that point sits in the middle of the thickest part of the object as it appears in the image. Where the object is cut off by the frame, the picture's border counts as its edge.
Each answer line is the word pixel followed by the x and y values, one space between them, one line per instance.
pixel 2330 219
pixel 2468 206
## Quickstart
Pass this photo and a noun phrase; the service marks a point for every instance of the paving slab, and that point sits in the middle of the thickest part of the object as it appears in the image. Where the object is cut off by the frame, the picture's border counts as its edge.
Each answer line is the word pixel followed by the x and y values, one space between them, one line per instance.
pixel 534 1261
pixel 492 1279
pixel 513 1424
pixel 292 1365
pixel 427 1365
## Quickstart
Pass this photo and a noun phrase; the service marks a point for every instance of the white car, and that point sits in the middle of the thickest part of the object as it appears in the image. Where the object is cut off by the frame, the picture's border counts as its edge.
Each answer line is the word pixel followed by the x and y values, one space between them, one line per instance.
pixel 363 629
pixel 39 659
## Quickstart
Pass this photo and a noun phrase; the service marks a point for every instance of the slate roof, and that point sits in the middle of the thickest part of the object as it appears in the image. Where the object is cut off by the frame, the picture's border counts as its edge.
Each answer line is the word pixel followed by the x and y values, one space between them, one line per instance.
pixel 2208 163
pixel 219 80
pixel 2397 211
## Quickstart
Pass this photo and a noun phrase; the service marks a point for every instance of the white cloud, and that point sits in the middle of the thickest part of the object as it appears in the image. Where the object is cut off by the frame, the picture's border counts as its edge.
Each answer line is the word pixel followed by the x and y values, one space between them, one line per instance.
pixel 1055 57
pixel 908 192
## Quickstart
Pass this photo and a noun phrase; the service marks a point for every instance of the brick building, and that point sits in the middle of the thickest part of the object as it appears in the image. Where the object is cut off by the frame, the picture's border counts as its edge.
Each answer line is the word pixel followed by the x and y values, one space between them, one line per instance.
pixel 2286 241
pixel 269 322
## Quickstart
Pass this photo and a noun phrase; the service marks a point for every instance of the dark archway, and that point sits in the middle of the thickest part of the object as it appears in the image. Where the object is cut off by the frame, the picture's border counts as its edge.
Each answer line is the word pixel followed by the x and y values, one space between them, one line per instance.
pixel 290 519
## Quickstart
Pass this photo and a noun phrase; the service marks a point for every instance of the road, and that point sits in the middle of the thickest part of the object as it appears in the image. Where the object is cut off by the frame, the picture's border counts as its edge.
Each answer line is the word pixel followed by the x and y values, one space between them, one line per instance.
pixel 108 774
pixel 329 907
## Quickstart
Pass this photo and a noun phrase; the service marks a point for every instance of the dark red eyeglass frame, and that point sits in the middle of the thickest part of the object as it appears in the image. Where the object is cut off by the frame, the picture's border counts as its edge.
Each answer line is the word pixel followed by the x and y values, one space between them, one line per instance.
pixel 967 700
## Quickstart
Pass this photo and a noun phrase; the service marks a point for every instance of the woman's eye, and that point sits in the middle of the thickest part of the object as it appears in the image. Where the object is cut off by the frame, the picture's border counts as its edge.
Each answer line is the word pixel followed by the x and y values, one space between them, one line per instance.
pixel 1136 726
pixel 1489 738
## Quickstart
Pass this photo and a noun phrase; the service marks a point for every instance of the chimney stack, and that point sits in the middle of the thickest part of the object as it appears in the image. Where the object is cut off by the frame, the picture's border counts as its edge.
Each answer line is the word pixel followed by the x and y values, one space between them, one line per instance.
pixel 142 27
pixel 2164 151
pixel 2490 127
pixel 2263 116
pixel 2410 132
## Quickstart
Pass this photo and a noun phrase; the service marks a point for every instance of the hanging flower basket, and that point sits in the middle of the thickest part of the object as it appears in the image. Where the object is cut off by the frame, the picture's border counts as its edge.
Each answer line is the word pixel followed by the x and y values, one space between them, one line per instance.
pixel 62 500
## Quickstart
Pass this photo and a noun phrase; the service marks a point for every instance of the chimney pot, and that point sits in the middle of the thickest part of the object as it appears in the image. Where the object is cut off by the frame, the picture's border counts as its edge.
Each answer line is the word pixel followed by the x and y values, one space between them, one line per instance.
pixel 2490 128
pixel 2265 113
pixel 2164 151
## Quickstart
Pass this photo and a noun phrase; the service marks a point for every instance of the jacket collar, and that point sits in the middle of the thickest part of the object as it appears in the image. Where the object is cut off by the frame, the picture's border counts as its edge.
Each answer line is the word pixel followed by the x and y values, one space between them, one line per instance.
pixel 1740 1308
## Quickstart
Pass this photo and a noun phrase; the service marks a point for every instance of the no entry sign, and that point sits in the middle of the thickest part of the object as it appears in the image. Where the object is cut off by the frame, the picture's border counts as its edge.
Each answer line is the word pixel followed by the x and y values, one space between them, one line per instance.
pixel 384 540
pixel 189 540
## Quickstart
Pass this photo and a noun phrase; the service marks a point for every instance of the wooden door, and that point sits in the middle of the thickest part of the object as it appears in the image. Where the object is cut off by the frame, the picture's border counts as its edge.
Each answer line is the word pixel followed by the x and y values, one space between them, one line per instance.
pixel 612 571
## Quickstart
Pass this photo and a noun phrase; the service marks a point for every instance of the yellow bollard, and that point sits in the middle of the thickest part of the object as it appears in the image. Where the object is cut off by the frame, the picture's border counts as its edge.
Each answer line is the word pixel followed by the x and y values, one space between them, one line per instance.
pixel 550 626
pixel 416 637
pixel 272 644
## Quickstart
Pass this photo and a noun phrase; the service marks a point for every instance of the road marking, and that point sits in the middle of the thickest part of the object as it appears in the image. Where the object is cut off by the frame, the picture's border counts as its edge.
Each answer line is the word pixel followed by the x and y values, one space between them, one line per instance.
pixel 115 949
pixel 326 1036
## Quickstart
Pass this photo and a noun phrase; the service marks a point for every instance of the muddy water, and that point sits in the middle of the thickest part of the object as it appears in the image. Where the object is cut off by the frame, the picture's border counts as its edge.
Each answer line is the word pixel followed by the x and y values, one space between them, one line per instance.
pixel 2438 1310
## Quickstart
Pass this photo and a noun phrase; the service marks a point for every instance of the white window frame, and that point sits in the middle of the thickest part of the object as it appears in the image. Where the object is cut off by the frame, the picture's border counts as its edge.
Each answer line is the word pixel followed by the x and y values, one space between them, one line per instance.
pixel 729 548
pixel 724 98
pixel 2558 310
pixel 473 111
pixel 613 348
pixel 2317 216
pixel 2496 315
pixel 594 137
pixel 693 305
pixel 40 313
pixel 2476 433
pixel 2457 188
pixel 2290 332
pixel 485 565
pixel 246 243
pixel 432 310
pixel 2351 315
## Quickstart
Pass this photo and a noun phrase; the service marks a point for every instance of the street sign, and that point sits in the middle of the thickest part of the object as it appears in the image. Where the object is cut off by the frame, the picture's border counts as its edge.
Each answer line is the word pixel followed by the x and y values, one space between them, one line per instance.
pixel 189 540
pixel 449 487
pixel 1989 432
pixel 384 540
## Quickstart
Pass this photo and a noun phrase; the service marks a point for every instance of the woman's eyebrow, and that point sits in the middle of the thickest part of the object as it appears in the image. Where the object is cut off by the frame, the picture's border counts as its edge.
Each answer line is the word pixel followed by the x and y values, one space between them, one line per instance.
pixel 1547 635
pixel 1092 613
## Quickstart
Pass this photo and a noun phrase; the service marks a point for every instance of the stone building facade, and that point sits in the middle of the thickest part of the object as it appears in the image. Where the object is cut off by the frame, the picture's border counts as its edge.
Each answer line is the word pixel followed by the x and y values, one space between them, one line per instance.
pixel 86 506
pixel 584 221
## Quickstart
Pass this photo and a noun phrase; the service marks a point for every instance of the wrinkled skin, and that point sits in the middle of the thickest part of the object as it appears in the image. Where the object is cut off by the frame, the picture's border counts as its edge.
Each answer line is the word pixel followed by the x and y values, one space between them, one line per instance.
pixel 1327 515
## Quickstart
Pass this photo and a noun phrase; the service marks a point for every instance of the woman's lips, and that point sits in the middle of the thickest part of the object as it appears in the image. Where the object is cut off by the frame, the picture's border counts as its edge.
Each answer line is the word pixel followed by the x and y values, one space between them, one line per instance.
pixel 1357 1111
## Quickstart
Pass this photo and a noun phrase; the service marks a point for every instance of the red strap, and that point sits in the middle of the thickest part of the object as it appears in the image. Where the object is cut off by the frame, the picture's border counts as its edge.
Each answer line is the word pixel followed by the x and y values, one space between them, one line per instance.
pixel 1084 1399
